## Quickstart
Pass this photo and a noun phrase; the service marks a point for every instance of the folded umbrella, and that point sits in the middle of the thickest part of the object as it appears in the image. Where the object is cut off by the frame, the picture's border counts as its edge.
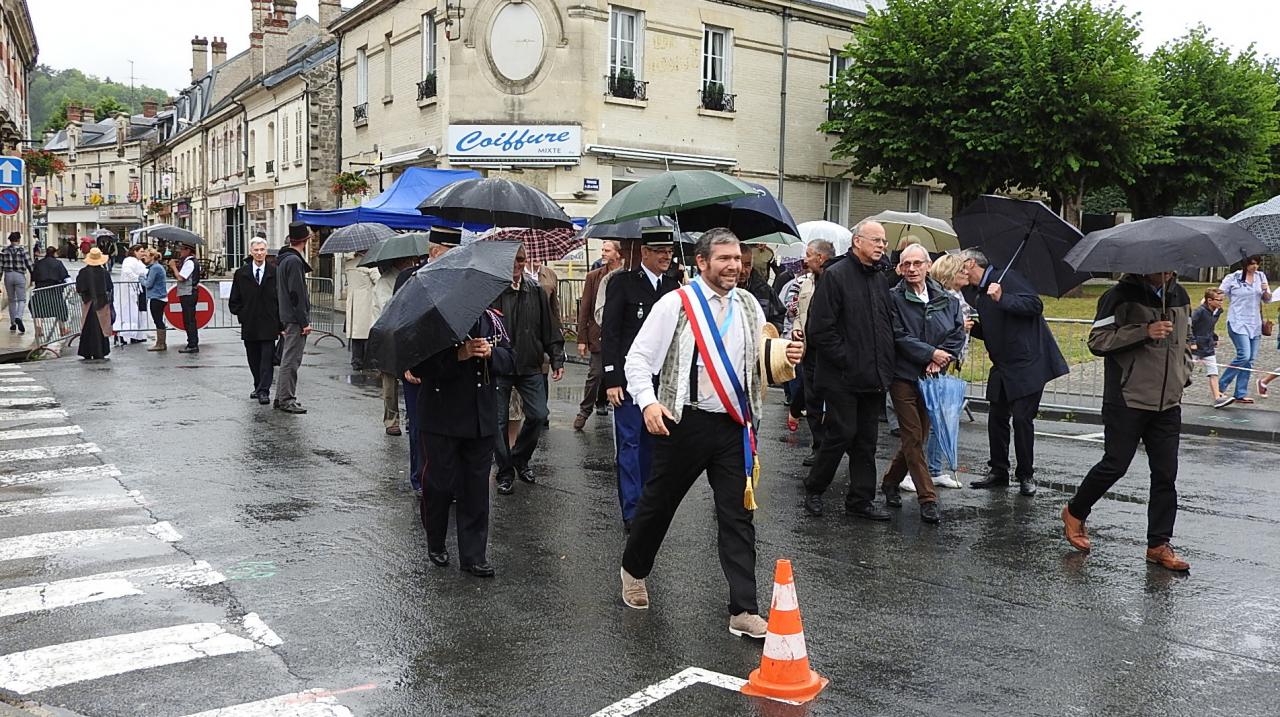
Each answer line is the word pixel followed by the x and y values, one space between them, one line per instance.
pixel 944 400
pixel 175 234
pixel 399 246
pixel 542 245
pixel 935 235
pixel 438 306
pixel 748 217
pixel 496 202
pixel 356 237
pixel 1022 235
pixel 1150 246
pixel 670 192
pixel 1263 221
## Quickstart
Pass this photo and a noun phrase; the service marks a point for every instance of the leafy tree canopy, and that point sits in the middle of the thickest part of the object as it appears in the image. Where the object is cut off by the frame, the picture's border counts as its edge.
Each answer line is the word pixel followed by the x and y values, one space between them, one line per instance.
pixel 52 90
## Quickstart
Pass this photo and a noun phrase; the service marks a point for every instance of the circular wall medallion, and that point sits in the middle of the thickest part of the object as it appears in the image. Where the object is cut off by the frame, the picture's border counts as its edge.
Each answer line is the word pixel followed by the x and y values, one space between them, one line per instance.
pixel 516 41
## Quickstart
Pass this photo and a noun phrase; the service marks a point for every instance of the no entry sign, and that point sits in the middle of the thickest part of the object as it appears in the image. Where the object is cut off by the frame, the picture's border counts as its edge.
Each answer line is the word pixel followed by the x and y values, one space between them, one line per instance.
pixel 9 201
pixel 204 308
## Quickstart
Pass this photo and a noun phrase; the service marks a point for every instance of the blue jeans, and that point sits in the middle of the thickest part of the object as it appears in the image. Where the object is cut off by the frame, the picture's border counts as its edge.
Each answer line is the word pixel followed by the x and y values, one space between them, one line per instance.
pixel 1246 352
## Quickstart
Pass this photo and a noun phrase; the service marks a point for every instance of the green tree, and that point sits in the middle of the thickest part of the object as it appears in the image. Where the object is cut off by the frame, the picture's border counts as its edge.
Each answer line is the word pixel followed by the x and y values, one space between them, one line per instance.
pixel 1224 121
pixel 929 94
pixel 52 90
pixel 1087 101
pixel 107 107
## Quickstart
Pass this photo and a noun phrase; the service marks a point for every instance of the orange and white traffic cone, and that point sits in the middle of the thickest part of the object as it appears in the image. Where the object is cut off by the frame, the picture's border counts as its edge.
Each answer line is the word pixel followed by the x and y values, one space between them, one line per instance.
pixel 784 668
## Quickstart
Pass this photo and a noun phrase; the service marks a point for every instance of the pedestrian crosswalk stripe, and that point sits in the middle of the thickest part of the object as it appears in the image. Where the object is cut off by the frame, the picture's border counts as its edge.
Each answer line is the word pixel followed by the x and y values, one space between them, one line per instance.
pixel 69 503
pixel 45 452
pixel 312 703
pixel 47 414
pixel 16 389
pixel 6 378
pixel 104 586
pixel 25 433
pixel 105 470
pixel 20 402
pixel 71 662
pixel 40 544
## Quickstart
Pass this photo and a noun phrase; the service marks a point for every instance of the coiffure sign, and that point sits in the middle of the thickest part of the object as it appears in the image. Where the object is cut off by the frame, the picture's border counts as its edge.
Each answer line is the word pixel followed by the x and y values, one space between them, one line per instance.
pixel 505 140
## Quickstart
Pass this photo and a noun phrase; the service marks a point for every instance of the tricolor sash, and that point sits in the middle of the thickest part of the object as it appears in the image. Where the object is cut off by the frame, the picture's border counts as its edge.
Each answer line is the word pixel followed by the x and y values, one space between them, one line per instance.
pixel 720 370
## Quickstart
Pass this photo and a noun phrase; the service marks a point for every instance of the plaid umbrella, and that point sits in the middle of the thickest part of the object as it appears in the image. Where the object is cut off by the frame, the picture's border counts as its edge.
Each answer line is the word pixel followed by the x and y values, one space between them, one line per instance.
pixel 356 237
pixel 542 245
pixel 102 233
pixel 1263 220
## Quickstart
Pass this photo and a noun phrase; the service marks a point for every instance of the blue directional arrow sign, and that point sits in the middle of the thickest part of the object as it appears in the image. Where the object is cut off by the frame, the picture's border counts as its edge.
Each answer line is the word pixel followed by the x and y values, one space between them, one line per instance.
pixel 13 171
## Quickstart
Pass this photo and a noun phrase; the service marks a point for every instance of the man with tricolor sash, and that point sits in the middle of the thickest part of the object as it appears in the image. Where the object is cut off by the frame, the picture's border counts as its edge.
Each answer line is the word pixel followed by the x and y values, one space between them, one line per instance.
pixel 703 343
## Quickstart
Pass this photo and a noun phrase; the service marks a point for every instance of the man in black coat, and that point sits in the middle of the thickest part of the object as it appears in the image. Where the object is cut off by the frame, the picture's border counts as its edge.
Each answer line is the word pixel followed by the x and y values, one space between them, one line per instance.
pixel 1024 357
pixel 851 331
pixel 628 302
pixel 255 303
pixel 457 415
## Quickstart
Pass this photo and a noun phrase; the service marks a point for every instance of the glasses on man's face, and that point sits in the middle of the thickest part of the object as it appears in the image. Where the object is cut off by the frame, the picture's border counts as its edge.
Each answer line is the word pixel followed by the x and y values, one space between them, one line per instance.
pixel 661 249
pixel 911 264
pixel 878 241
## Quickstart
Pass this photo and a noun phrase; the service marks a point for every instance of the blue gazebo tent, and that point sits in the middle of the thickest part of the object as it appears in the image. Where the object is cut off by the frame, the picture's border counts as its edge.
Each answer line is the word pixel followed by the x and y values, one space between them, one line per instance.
pixel 397 206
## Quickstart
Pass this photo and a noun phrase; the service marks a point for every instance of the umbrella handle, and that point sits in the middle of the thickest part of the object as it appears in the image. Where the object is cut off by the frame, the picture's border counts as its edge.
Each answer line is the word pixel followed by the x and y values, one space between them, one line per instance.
pixel 1017 253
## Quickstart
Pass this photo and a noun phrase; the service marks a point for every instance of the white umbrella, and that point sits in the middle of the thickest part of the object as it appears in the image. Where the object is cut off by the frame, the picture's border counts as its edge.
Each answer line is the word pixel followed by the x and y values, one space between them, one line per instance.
pixel 839 236
pixel 935 235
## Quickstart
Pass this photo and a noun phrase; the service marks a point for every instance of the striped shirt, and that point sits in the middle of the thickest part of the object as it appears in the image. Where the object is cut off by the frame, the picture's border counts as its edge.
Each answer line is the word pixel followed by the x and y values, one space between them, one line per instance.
pixel 15 258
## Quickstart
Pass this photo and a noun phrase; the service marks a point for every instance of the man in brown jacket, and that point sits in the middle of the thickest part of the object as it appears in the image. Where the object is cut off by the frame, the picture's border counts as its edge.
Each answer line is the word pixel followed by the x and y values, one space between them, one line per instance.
pixel 589 335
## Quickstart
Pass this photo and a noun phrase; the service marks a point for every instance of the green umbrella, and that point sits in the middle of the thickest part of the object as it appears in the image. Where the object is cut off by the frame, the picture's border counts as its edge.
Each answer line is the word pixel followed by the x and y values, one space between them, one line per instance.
pixel 777 238
pixel 671 192
pixel 399 246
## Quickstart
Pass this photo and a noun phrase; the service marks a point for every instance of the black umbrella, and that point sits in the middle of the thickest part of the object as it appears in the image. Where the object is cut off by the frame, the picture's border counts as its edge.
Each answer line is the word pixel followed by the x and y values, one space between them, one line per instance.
pixel 496 202
pixel 1151 246
pixel 356 237
pixel 1022 235
pixel 630 229
pixel 438 306
pixel 748 217
pixel 175 234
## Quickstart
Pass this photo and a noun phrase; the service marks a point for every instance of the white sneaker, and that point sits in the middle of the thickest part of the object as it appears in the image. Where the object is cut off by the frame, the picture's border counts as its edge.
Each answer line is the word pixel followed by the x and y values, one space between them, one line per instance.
pixel 946 480
pixel 907 484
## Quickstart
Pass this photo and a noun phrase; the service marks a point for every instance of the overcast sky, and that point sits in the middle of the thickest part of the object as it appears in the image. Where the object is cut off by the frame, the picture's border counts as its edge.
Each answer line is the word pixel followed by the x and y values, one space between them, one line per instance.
pixel 100 37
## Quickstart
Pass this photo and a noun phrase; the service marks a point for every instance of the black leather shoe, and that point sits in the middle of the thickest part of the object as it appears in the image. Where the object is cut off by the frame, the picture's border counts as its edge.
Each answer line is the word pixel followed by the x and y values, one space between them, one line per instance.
pixel 253 395
pixel 626 527
pixel 526 475
pixel 602 410
pixel 868 511
pixel 440 559
pixel 813 504
pixel 189 350
pixel 263 399
pixel 895 432
pixel 506 487
pixel 893 499
pixel 992 480
pixel 1026 487
pixel 810 459
pixel 480 570
pixel 929 513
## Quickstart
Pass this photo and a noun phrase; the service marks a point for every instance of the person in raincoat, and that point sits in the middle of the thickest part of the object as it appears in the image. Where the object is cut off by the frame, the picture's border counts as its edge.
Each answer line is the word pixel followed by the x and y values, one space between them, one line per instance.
pixel 129 318
pixel 360 315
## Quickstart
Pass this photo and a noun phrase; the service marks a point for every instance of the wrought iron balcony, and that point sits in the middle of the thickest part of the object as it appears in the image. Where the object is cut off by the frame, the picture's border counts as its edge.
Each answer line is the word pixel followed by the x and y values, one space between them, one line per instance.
pixel 362 113
pixel 271 166
pixel 627 88
pixel 252 171
pixel 427 87
pixel 714 98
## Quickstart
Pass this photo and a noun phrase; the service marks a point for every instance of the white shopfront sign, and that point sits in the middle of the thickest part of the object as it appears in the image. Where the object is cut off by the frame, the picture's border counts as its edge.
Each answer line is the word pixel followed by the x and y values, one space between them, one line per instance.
pixel 504 141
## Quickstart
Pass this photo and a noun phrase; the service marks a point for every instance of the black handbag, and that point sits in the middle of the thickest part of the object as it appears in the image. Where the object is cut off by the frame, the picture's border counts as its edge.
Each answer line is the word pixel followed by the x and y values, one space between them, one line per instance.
pixel 142 300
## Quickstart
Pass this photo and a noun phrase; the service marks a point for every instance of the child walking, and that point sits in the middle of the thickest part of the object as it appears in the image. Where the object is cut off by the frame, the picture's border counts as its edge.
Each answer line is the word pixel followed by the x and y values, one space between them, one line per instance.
pixel 1204 323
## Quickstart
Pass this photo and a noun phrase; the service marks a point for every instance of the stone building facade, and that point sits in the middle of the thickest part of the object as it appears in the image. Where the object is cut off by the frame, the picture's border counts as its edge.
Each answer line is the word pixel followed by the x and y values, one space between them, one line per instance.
pixel 608 94
pixel 18 53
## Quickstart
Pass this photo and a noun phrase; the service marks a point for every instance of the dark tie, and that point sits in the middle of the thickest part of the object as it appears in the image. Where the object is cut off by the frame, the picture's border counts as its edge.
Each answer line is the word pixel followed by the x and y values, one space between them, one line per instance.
pixel 257 276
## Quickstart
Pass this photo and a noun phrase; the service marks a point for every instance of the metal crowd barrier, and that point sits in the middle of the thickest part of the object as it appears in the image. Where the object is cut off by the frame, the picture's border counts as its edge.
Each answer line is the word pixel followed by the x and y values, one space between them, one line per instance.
pixel 58 313
pixel 1080 389
pixel 570 292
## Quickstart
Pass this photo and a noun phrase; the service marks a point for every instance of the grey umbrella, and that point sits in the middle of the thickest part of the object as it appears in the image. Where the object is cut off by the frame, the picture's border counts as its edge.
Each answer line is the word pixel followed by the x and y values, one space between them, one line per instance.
pixel 1150 246
pixel 1263 221
pixel 176 234
pixel 935 235
pixel 356 237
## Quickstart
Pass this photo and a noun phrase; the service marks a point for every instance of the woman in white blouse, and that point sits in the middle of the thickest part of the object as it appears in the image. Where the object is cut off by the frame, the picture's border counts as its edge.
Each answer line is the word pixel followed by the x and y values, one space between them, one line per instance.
pixel 1246 291
pixel 128 318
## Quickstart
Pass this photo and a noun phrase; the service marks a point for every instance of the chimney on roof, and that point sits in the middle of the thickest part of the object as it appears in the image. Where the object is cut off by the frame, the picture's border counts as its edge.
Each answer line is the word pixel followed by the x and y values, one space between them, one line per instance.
pixel 219 50
pixel 330 10
pixel 288 8
pixel 73 112
pixel 261 13
pixel 199 57
pixel 86 116
pixel 149 108
pixel 255 53
pixel 275 43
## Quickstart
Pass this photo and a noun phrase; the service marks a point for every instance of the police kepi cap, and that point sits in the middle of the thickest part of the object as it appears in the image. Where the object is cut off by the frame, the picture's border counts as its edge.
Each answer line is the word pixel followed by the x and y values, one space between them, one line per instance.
pixel 658 236
pixel 445 236
pixel 298 232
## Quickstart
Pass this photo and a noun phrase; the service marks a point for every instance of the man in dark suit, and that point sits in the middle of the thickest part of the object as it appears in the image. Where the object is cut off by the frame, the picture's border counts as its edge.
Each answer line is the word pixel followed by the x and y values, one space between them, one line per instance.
pixel 1024 357
pixel 254 302
pixel 458 420
pixel 628 302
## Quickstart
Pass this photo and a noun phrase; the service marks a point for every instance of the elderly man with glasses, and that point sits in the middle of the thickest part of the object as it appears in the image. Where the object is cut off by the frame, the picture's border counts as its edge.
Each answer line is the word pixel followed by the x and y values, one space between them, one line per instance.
pixel 850 331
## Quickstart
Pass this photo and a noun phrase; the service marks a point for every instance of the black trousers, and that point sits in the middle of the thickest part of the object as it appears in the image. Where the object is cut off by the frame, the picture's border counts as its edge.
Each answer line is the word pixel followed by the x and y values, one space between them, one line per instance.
pixel 1123 427
pixel 189 319
pixel 1023 412
pixel 813 402
pixel 357 353
pixel 261 356
pixel 459 469
pixel 851 425
pixel 701 442
pixel 157 312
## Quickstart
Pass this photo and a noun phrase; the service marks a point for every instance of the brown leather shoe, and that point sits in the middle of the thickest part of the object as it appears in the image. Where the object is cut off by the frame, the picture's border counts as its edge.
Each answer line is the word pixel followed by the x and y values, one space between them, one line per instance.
pixel 1075 531
pixel 1164 556
pixel 579 422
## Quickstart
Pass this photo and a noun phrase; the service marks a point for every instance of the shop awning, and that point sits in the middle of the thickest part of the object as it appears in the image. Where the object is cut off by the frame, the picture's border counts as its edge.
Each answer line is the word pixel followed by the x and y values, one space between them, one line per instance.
pixel 397 207
pixel 400 158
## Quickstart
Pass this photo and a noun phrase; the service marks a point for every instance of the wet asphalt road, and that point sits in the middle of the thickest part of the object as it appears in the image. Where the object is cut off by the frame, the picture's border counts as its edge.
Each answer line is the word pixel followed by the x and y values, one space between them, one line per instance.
pixel 311 520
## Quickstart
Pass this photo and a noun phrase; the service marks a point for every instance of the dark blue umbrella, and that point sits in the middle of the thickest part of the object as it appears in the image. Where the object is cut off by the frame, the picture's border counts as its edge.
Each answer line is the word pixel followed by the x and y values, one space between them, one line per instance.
pixel 748 217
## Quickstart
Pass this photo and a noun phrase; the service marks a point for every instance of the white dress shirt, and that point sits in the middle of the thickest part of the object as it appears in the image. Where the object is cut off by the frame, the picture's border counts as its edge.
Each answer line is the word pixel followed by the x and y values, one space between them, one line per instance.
pixel 649 350
pixel 653 278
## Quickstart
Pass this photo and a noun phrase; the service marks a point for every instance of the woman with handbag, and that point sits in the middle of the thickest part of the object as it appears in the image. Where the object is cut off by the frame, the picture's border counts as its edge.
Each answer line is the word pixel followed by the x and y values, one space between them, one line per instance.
pixel 1246 291
pixel 131 299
